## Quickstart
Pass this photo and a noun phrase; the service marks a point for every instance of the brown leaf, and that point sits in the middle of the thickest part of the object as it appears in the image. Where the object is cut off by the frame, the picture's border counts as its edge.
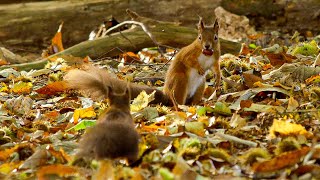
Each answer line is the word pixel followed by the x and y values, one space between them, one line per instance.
pixel 279 58
pixel 286 159
pixel 245 103
pixel 250 79
pixel 53 88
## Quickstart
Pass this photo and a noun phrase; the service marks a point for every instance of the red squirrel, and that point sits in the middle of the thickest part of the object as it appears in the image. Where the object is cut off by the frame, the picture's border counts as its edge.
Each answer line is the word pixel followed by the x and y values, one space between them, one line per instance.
pixel 114 136
pixel 185 78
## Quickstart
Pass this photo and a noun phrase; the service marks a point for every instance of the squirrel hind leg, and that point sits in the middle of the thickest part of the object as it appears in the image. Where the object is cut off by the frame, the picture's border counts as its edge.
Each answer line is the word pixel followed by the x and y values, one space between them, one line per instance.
pixel 176 90
pixel 196 98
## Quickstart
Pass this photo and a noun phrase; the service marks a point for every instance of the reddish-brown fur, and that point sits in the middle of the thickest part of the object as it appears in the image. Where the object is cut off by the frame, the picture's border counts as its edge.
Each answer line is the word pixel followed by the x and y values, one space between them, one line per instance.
pixel 180 77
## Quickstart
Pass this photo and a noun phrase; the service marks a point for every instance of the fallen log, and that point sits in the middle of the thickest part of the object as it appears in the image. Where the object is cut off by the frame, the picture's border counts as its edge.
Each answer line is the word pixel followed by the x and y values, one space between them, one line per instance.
pixel 165 33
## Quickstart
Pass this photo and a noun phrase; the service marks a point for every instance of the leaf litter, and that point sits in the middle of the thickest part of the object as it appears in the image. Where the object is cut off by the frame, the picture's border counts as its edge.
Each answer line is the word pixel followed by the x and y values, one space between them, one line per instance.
pixel 264 124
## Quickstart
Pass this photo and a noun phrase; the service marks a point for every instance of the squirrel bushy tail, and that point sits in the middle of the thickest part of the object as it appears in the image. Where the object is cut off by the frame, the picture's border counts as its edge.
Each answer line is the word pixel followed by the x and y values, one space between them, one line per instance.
pixel 94 82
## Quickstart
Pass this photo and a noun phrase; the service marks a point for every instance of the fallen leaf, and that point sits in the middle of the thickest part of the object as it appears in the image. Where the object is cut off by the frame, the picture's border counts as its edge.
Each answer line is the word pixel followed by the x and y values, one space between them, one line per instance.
pixel 313 79
pixel 284 160
pixel 245 103
pixel 292 104
pixel 22 87
pixel 6 168
pixel 250 79
pixel 141 101
pixel 222 108
pixel 57 169
pixel 130 57
pixel 56 44
pixel 83 113
pixel 53 88
pixel 279 59
pixel 285 128
pixel 83 125
pixel 195 127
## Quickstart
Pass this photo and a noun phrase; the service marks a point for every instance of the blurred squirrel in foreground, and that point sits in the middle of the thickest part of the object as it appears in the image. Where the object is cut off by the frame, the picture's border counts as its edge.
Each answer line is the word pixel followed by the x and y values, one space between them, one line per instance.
pixel 114 135
pixel 185 78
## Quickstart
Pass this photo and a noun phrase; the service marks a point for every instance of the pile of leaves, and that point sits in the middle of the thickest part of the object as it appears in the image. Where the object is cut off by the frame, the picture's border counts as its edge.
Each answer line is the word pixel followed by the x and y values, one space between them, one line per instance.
pixel 262 123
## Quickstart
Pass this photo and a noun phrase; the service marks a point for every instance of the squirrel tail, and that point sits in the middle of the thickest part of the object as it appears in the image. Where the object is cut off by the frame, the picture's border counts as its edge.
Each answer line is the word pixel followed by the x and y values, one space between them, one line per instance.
pixel 110 140
pixel 95 82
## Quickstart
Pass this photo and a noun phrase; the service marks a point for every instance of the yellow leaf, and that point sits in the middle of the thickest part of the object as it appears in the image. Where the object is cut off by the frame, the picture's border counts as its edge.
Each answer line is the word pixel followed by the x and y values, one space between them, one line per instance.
pixel 22 87
pixel 141 101
pixel 285 128
pixel 6 168
pixel 83 113
pixel 3 87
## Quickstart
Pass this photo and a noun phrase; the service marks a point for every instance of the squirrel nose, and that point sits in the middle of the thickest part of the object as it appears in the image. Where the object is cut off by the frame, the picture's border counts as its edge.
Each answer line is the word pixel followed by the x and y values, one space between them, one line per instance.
pixel 207 46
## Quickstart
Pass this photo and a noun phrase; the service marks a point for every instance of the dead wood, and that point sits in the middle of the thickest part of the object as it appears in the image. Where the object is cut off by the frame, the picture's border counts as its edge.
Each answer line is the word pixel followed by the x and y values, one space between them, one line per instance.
pixel 164 33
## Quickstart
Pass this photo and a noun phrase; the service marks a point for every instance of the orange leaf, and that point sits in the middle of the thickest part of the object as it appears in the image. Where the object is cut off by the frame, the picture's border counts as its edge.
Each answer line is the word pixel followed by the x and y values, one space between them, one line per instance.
pixel 313 79
pixel 58 169
pixel 4 154
pixel 245 50
pixel 56 44
pixel 286 159
pixel 130 57
pixel 150 128
pixel 60 155
pixel 3 62
pixel 266 67
pixel 56 41
pixel 256 36
pixel 52 114
pixel 53 88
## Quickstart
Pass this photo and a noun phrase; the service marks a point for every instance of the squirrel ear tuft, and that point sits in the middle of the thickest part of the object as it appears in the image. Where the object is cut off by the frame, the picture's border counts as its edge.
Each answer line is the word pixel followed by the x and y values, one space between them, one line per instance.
pixel 128 90
pixel 200 24
pixel 216 25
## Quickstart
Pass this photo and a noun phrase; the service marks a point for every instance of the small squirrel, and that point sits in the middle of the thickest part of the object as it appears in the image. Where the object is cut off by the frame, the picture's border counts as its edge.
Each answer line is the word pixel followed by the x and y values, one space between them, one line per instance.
pixel 185 78
pixel 114 136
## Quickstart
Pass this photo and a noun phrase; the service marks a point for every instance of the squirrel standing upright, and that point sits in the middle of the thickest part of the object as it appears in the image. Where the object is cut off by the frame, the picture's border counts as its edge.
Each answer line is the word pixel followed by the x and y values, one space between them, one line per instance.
pixel 185 78
pixel 114 135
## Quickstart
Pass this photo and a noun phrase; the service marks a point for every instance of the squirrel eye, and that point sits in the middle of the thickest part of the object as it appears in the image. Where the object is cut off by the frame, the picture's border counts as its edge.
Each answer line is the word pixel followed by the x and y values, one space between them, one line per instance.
pixel 199 37
pixel 215 37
